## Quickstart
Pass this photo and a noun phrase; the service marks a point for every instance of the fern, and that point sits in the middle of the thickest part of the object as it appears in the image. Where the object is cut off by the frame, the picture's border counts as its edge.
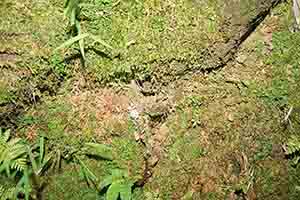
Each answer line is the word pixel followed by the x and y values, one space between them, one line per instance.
pixel 7 192
pixel 12 153
pixel 292 149
pixel 22 164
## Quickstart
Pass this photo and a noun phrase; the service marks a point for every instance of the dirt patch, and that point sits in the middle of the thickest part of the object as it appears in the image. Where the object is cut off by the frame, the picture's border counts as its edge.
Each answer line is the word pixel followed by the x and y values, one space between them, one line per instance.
pixel 6 58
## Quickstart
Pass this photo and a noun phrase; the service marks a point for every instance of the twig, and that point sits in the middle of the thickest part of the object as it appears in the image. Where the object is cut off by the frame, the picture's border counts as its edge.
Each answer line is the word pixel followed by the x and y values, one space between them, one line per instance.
pixel 288 114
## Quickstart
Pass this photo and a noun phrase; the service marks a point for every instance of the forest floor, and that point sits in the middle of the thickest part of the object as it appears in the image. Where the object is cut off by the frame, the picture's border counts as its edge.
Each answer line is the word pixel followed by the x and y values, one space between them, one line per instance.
pixel 214 135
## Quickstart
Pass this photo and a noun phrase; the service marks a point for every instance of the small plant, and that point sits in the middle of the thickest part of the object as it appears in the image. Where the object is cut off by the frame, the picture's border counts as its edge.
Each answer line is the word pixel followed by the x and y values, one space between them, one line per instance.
pixel 72 11
pixel 12 163
pixel 117 185
pixel 91 149
pixel 12 154
pixel 292 149
pixel 23 166
pixel 7 192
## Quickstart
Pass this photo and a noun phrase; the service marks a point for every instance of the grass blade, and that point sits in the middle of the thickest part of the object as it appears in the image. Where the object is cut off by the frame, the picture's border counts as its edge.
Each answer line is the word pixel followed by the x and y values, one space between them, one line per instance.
pixel 98 39
pixel 33 162
pixel 88 174
pixel 81 42
pixel 72 41
pixel 70 5
pixel 73 17
pixel 26 184
pixel 42 148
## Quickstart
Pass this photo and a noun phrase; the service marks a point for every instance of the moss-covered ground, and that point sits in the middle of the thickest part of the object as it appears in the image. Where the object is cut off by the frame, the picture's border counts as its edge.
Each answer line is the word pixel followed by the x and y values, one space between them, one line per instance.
pixel 218 135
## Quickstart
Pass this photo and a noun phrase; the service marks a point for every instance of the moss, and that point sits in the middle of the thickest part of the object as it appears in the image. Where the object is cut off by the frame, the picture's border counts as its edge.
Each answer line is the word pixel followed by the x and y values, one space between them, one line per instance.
pixel 69 185
pixel 146 36
pixel 280 91
pixel 272 180
pixel 294 181
pixel 185 148
pixel 5 95
pixel 144 32
pixel 31 27
pixel 130 156
pixel 264 149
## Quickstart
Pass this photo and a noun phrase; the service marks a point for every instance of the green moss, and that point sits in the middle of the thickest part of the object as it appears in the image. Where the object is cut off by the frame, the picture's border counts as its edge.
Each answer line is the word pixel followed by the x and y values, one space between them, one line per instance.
pixel 185 148
pixel 6 96
pixel 69 185
pixel 36 25
pixel 130 155
pixel 264 149
pixel 271 181
pixel 285 68
pixel 144 32
pixel 53 120
pixel 146 35
pixel 294 182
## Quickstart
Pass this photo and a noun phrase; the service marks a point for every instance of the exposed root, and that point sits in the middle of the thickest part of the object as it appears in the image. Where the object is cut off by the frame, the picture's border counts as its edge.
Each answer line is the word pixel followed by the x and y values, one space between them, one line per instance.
pixel 214 58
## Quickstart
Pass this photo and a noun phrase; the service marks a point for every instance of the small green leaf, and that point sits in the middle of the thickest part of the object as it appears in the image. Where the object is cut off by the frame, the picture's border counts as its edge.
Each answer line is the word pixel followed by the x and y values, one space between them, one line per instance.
pixel 106 182
pixel 188 196
pixel 100 150
pixel 113 192
pixel 33 162
pixel 26 184
pixel 125 191
pixel 42 148
pixel 119 173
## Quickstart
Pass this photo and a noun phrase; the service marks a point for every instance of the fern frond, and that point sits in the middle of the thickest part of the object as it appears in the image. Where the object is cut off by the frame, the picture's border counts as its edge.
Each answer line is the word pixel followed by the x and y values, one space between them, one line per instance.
pixel 293 145
pixel 12 153
pixel 4 136
pixel 292 149
pixel 7 192
pixel 19 164
pixel 13 141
